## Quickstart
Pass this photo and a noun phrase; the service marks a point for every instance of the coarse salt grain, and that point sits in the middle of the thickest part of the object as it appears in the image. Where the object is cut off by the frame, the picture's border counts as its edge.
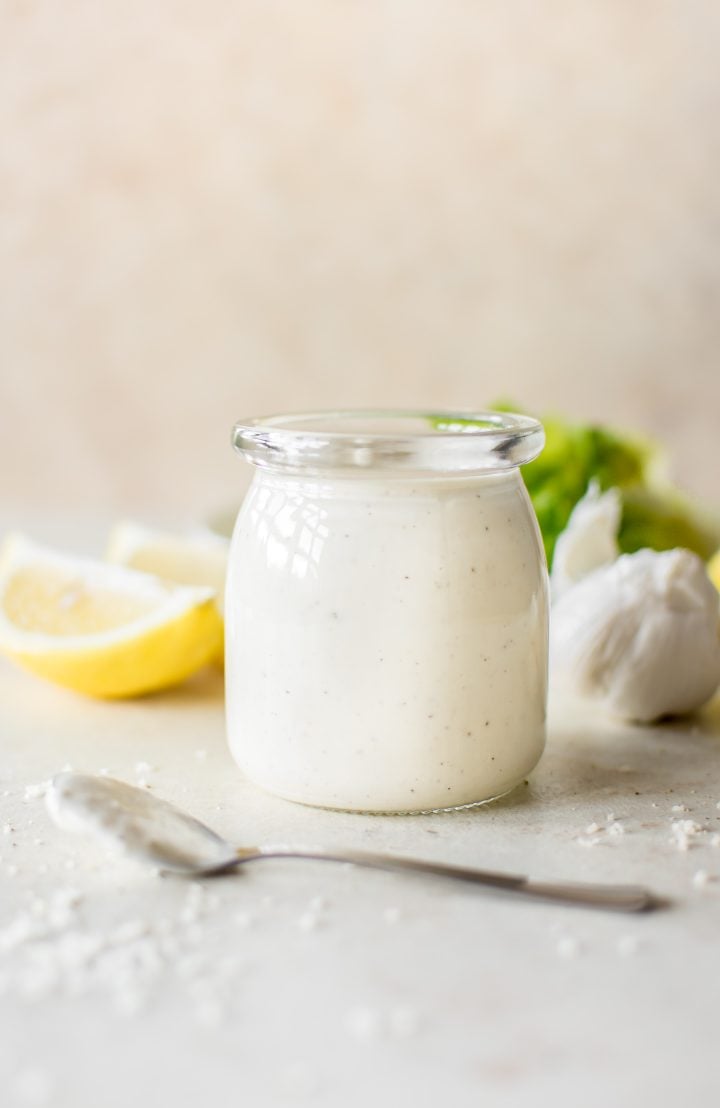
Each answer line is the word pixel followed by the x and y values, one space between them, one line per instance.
pixel 684 831
pixel 209 1014
pixel 362 1023
pixel 392 916
pixel 679 808
pixel 701 879
pixel 35 792
pixel 568 947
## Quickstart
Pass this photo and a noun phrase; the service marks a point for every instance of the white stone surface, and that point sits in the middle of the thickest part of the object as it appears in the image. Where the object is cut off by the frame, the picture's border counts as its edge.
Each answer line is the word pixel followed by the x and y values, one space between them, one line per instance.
pixel 325 985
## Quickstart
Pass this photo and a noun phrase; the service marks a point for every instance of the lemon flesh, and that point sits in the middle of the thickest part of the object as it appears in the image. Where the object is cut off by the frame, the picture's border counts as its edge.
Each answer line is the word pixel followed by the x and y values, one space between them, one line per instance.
pixel 99 629
pixel 199 559
pixel 714 570
pixel 186 560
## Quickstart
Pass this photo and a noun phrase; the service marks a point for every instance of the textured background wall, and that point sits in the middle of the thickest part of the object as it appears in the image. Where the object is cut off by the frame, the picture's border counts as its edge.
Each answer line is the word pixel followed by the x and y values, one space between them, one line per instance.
pixel 213 208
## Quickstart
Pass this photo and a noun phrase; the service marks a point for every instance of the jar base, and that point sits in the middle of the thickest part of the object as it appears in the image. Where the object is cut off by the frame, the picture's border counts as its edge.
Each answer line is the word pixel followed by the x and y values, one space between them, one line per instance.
pixel 394 811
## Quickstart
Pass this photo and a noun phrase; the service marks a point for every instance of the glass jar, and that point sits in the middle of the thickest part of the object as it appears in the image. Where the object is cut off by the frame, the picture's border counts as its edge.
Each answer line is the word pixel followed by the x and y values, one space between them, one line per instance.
pixel 386 610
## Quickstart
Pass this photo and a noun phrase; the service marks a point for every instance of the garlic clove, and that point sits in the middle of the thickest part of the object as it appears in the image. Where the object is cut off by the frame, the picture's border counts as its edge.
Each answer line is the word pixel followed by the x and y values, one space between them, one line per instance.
pixel 641 635
pixel 589 540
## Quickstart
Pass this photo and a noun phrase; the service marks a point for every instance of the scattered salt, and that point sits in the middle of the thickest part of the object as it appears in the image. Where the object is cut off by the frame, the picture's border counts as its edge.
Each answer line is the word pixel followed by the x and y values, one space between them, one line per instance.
pixel 362 1023
pixel 701 879
pixel 308 921
pixel 679 808
pixel 35 792
pixel 627 945
pixel 143 767
pixel 201 755
pixel 209 1014
pixel 568 947
pixel 392 916
pixel 684 831
pixel 592 829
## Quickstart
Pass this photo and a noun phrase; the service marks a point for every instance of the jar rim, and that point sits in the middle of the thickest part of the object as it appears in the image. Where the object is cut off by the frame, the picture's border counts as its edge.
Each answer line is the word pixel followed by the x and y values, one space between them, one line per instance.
pixel 422 442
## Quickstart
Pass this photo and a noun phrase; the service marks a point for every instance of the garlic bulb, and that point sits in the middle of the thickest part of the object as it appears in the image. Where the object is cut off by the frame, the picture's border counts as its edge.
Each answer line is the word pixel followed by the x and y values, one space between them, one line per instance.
pixel 589 540
pixel 642 635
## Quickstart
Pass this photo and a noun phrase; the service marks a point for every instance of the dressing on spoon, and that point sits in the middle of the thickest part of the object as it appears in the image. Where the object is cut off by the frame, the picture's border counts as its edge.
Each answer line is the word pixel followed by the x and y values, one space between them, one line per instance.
pixel 157 832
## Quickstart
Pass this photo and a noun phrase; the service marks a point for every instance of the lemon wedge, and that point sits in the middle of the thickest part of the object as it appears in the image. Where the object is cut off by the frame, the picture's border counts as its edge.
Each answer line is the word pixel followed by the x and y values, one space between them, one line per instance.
pixel 101 629
pixel 714 570
pixel 187 560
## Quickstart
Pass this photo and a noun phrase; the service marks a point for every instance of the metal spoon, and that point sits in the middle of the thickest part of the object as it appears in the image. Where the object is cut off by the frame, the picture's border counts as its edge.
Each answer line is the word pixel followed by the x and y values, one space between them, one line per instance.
pixel 174 841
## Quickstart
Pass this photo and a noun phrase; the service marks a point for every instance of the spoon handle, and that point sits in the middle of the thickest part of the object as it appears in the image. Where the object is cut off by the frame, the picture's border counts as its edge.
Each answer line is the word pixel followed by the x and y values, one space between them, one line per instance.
pixel 621 898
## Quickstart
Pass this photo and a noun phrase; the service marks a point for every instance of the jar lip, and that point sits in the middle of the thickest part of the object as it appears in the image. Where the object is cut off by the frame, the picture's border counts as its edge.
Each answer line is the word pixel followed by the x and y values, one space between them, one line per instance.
pixel 390 439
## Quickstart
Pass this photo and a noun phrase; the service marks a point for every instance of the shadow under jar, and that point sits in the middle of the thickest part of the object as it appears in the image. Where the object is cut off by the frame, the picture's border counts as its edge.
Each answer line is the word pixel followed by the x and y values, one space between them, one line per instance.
pixel 386 609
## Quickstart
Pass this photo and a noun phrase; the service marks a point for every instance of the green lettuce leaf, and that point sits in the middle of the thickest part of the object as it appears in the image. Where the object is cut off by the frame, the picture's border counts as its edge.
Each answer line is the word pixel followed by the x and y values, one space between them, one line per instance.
pixel 655 513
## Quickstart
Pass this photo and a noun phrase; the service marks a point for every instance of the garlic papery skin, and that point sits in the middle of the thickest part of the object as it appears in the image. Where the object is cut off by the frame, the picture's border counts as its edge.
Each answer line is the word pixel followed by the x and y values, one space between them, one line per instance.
pixel 589 540
pixel 641 635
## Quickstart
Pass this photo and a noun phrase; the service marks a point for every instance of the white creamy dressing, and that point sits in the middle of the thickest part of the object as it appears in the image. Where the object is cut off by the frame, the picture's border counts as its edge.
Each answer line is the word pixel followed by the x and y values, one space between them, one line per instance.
pixel 386 639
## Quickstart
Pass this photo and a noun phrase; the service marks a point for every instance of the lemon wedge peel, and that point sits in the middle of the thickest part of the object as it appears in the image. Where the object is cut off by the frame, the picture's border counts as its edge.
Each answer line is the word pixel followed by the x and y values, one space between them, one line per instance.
pixel 171 633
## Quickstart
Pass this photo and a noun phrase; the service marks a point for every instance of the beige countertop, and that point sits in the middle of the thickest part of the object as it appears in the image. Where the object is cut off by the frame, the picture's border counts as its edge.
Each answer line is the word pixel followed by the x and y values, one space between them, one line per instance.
pixel 305 983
